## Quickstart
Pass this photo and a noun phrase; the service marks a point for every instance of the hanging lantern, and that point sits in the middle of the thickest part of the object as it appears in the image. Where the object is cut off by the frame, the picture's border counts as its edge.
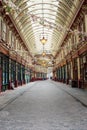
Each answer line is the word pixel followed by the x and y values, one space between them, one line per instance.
pixel 43 40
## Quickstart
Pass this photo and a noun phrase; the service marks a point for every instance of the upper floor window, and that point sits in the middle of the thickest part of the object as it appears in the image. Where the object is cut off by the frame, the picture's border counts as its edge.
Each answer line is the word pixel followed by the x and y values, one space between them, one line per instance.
pixel 13 41
pixel 18 45
pixel 0 26
pixel 81 30
pixel 4 31
pixel 10 37
pixel 86 26
pixel 15 45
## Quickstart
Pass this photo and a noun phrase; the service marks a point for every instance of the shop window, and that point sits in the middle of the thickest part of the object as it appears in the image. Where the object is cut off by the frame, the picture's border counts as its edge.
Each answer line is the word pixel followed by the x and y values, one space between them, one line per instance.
pixel 10 69
pixel 19 72
pixel 5 66
pixel 75 69
pixel 27 75
pixel 86 74
pixel 23 73
pixel 69 71
pixel 83 67
pixel 13 70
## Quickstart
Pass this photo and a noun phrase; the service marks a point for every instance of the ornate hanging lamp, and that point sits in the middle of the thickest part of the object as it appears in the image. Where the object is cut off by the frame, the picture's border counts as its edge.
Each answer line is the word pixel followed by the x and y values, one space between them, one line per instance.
pixel 43 53
pixel 43 40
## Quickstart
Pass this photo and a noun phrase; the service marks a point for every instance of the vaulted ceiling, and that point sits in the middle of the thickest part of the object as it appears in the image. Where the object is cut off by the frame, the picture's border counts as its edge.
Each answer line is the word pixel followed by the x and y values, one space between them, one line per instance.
pixel 48 18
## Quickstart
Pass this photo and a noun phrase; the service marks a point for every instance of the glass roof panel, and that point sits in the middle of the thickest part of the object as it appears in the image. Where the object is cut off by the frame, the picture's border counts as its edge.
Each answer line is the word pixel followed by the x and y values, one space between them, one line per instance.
pixel 43 10
pixel 48 18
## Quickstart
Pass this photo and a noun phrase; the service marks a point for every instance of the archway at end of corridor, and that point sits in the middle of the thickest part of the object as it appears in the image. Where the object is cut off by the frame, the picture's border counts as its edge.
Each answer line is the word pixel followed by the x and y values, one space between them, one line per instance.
pixel 49 75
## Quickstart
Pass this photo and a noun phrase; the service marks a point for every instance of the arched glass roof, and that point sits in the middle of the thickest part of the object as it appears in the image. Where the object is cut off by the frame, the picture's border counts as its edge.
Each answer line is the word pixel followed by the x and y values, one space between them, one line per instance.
pixel 44 17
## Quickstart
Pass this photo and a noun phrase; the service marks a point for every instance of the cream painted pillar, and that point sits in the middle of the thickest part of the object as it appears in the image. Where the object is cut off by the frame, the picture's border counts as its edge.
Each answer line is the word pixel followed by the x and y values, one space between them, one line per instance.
pixel 66 72
pixel 86 23
pixel 71 70
pixel 78 63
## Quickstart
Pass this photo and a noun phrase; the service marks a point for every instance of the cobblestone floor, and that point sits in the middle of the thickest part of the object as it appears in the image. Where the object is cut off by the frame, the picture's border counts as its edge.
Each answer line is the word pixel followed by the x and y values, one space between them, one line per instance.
pixel 43 106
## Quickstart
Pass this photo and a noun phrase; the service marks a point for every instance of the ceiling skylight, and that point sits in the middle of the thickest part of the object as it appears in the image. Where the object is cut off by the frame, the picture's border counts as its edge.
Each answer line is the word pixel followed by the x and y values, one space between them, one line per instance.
pixel 48 10
pixel 52 15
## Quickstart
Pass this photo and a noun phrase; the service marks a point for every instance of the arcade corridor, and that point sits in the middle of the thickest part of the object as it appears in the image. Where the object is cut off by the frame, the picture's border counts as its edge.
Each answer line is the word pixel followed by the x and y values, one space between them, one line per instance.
pixel 43 105
pixel 43 64
pixel 40 38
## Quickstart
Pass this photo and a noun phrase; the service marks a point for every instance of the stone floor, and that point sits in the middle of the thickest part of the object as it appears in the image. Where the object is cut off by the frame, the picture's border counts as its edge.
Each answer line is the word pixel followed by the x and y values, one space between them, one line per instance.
pixel 43 105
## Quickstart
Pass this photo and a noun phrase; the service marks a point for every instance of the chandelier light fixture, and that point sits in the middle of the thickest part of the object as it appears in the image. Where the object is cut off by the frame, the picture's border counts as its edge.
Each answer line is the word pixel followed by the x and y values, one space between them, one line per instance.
pixel 43 63
pixel 43 53
pixel 43 40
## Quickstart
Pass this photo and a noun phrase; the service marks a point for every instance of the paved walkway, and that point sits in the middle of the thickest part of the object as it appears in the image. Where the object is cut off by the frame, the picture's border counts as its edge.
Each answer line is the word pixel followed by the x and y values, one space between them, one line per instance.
pixel 9 95
pixel 79 94
pixel 43 105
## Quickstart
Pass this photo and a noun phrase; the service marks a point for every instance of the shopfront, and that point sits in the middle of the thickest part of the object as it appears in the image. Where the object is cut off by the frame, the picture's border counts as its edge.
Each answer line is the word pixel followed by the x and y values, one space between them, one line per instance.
pixel 4 72
pixel 83 70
